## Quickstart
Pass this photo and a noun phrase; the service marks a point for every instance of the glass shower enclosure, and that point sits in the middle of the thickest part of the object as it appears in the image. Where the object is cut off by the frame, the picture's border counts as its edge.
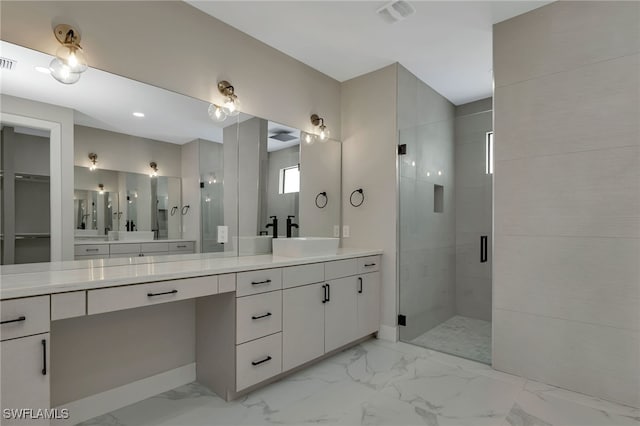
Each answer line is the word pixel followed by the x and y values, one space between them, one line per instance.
pixel 445 235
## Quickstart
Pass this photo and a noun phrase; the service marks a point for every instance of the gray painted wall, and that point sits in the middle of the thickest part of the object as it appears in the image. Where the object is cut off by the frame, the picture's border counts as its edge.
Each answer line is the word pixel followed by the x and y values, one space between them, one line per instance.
pixel 567 197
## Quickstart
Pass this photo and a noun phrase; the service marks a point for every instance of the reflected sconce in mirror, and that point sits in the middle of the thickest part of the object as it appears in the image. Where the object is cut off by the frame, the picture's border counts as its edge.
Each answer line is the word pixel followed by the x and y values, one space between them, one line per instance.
pixel 323 132
pixel 307 138
pixel 70 61
pixel 212 179
pixel 100 189
pixel 94 159
pixel 230 105
pixel 154 169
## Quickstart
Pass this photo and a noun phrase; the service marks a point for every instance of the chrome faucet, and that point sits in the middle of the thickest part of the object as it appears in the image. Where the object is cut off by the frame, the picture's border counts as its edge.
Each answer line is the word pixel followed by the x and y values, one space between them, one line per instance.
pixel 290 225
pixel 273 225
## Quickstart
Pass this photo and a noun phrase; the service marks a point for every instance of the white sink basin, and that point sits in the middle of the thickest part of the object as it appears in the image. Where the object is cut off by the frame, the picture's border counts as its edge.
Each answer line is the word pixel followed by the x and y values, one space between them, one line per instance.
pixel 303 247
pixel 259 244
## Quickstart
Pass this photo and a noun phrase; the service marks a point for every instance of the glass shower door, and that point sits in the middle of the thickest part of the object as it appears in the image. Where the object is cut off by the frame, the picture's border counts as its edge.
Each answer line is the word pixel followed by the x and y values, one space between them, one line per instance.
pixel 445 236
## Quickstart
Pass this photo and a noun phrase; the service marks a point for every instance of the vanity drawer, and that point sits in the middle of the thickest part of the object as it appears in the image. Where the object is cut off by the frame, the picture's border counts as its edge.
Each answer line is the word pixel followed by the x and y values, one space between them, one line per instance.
pixel 258 316
pixel 295 276
pixel 340 269
pixel 23 317
pixel 154 247
pixel 368 264
pixel 129 248
pixel 91 249
pixel 255 282
pixel 186 246
pixel 258 360
pixel 137 295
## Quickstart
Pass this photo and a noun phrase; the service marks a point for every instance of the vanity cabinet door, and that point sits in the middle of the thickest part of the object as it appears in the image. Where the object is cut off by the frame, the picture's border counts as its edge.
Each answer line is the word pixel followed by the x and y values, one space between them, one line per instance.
pixel 302 325
pixel 368 303
pixel 340 315
pixel 24 377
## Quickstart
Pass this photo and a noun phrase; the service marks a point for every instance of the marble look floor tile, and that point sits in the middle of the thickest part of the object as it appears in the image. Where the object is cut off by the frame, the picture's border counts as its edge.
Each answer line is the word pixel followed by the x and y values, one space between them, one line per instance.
pixel 380 383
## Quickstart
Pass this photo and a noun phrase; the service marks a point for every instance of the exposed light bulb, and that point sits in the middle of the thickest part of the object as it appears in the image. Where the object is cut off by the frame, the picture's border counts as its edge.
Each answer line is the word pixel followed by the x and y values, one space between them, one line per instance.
pixel 92 167
pixel 216 113
pixel 307 138
pixel 231 106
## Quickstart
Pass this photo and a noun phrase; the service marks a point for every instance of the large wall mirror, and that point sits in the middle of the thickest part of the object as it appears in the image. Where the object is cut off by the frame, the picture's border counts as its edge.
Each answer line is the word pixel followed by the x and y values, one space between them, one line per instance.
pixel 163 169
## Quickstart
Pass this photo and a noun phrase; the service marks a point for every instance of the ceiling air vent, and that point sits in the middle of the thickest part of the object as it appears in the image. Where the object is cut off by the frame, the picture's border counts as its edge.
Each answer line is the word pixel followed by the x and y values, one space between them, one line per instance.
pixel 7 64
pixel 396 11
pixel 282 136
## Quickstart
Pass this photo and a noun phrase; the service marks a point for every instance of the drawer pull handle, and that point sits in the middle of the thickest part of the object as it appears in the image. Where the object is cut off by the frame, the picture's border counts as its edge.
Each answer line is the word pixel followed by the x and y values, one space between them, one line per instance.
pixel 94 249
pixel 360 285
pixel 367 265
pixel 181 246
pixel 44 357
pixel 260 282
pixel 19 319
pixel 268 314
pixel 262 361
pixel 162 294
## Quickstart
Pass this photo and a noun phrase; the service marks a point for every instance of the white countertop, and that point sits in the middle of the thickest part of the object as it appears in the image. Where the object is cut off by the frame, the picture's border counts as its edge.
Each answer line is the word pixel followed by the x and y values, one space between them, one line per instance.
pixel 58 277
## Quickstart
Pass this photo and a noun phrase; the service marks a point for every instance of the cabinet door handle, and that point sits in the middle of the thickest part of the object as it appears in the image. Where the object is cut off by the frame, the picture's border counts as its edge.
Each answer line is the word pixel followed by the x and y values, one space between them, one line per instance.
pixel 260 282
pixel 19 319
pixel 324 293
pixel 162 294
pixel 367 265
pixel 44 357
pixel 328 293
pixel 268 314
pixel 360 285
pixel 262 361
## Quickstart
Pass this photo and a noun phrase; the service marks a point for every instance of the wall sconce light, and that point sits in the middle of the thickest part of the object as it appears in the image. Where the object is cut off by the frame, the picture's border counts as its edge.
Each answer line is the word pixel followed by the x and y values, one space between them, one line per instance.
pixel 94 159
pixel 217 113
pixel 154 169
pixel 231 104
pixel 100 189
pixel 70 61
pixel 323 133
pixel 307 138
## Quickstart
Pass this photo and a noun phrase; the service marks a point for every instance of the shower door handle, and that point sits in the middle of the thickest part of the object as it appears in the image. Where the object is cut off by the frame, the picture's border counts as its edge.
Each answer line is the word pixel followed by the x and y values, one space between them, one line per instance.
pixel 483 248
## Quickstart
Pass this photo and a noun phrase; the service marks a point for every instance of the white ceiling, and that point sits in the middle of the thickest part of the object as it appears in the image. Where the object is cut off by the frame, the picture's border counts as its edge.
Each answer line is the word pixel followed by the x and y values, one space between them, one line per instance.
pixel 447 44
pixel 107 101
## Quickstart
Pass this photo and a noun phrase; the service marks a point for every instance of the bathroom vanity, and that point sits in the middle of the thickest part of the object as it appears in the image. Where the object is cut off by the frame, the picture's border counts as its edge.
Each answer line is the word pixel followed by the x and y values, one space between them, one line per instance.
pixel 254 319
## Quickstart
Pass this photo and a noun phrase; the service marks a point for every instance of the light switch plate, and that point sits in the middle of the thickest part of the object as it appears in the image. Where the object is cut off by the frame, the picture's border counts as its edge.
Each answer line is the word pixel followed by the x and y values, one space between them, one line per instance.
pixel 336 231
pixel 223 234
pixel 345 231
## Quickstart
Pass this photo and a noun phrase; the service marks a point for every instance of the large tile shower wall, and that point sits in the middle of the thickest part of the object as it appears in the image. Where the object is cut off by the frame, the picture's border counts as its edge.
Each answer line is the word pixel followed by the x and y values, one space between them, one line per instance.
pixel 567 197
pixel 474 198
pixel 427 231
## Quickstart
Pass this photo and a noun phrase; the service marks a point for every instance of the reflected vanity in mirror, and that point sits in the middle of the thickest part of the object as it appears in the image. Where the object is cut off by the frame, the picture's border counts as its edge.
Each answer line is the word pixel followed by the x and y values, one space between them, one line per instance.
pixel 288 189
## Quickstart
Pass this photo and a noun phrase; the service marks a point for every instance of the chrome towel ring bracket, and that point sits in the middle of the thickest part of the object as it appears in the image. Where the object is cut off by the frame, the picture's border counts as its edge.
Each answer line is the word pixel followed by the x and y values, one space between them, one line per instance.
pixel 174 210
pixel 322 200
pixel 185 209
pixel 353 199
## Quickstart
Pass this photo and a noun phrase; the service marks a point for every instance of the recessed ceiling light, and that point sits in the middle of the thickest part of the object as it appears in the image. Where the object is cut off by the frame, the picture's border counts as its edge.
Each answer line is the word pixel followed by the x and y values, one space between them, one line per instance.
pixel 138 114
pixel 43 70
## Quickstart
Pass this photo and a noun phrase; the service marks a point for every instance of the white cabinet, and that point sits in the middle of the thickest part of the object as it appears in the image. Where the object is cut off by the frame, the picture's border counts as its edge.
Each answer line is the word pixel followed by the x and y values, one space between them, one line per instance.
pixel 24 368
pixel 340 316
pixel 302 324
pixel 368 303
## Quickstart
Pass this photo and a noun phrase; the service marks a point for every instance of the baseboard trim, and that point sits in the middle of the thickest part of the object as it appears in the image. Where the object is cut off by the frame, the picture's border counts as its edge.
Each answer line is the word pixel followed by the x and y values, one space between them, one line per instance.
pixel 113 399
pixel 388 333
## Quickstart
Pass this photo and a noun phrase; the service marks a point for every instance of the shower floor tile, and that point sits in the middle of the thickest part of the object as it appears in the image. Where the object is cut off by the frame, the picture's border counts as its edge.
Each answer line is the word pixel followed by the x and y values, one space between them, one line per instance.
pixel 462 336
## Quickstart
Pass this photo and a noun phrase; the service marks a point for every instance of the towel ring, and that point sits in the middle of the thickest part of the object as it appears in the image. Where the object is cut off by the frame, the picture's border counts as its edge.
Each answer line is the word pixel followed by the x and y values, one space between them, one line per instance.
pixel 174 209
pixel 185 209
pixel 326 200
pixel 357 191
